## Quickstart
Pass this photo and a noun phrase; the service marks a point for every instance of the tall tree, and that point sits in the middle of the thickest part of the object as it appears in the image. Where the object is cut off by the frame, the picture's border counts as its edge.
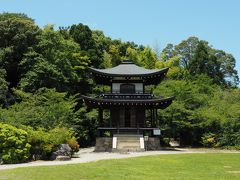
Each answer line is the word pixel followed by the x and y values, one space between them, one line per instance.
pixel 204 63
pixel 167 52
pixel 186 49
pixel 83 35
pixel 148 58
pixel 227 66
pixel 197 57
pixel 102 42
pixel 17 34
pixel 114 52
pixel 199 63
pixel 133 55
pixel 107 60
pixel 55 62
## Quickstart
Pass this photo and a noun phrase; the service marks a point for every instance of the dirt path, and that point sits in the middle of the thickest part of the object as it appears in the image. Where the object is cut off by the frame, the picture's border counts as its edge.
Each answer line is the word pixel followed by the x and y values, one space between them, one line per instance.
pixel 87 155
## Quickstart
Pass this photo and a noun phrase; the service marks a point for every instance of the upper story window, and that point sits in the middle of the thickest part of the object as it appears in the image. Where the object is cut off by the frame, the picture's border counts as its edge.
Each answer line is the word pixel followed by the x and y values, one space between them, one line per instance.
pixel 127 88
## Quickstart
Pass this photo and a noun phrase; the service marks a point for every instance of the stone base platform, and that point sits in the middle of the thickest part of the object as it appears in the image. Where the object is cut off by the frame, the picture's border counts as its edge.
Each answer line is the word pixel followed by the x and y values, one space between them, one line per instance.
pixel 104 144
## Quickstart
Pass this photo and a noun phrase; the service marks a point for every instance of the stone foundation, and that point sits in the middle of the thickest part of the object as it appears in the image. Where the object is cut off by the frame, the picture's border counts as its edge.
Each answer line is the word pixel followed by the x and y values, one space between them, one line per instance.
pixel 103 144
pixel 152 144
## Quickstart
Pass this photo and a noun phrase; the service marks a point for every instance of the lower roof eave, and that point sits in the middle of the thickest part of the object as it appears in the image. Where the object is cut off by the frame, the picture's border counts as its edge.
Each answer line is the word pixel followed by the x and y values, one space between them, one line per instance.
pixel 144 103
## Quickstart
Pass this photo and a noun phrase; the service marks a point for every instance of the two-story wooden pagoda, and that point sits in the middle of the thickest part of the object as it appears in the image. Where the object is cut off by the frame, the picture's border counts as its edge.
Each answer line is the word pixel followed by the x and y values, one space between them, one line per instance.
pixel 133 111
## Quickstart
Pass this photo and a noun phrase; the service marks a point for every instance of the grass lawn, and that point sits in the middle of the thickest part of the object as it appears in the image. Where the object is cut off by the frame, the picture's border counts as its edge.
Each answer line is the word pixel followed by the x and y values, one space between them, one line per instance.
pixel 178 166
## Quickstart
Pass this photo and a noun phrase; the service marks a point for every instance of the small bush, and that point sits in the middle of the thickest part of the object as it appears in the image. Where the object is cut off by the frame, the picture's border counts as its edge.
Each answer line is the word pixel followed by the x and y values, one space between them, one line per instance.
pixel 73 145
pixel 41 148
pixel 209 140
pixel 14 147
pixel 164 141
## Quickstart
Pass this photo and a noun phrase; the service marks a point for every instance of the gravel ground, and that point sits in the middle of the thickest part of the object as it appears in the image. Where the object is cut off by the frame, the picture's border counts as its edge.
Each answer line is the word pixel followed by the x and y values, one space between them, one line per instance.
pixel 87 155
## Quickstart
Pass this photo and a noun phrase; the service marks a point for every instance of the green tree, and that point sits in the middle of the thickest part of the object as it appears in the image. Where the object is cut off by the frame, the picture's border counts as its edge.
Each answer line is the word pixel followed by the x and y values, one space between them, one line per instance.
pixel 197 57
pixel 17 34
pixel 204 63
pixel 55 62
pixel 45 108
pixel 182 119
pixel 102 42
pixel 85 125
pixel 107 60
pixel 167 52
pixel 83 35
pixel 186 49
pixel 3 88
pixel 227 66
pixel 148 58
pixel 175 70
pixel 114 52
pixel 133 55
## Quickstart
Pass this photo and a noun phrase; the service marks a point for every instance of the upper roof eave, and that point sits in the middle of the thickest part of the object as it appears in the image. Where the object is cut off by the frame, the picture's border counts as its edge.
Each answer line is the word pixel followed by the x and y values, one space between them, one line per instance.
pixel 155 72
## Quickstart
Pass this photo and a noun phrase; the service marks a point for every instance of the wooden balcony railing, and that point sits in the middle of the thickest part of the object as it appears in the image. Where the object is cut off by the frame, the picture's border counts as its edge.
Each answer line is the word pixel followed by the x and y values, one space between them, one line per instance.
pixel 126 96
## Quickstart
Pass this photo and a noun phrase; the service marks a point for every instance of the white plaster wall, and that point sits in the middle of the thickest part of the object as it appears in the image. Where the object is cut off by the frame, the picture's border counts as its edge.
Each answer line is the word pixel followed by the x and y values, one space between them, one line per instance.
pixel 116 87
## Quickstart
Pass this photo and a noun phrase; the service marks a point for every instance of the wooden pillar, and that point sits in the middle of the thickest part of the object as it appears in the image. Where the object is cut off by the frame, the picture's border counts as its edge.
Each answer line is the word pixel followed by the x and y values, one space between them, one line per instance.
pixel 157 121
pixel 145 117
pixel 137 121
pixel 151 117
pixel 153 114
pixel 100 117
pixel 110 118
pixel 155 117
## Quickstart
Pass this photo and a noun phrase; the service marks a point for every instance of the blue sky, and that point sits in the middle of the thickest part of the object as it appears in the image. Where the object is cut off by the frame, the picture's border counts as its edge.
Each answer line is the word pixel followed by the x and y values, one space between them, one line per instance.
pixel 144 22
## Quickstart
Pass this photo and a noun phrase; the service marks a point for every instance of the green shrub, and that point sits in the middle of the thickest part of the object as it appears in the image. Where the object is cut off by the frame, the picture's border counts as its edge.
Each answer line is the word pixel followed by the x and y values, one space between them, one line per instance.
pixel 14 147
pixel 209 140
pixel 73 145
pixel 164 141
pixel 230 135
pixel 40 145
pixel 44 142
pixel 230 139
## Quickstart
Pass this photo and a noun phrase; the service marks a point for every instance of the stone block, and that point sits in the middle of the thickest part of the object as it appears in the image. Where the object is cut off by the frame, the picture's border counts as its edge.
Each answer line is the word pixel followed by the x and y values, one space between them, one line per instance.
pixel 103 144
pixel 152 144
pixel 63 158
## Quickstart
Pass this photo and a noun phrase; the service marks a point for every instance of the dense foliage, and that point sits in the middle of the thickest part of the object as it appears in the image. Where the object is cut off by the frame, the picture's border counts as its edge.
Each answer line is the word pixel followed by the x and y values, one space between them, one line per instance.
pixel 201 111
pixel 14 147
pixel 43 142
pixel 43 74
pixel 24 143
pixel 45 108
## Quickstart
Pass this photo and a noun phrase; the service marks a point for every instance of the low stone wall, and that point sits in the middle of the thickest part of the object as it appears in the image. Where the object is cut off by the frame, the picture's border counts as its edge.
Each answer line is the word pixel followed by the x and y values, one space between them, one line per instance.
pixel 152 144
pixel 103 144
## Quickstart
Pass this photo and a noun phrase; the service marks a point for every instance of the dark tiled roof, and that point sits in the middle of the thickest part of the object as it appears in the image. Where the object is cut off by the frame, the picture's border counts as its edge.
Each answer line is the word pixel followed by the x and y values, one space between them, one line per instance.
pixel 127 68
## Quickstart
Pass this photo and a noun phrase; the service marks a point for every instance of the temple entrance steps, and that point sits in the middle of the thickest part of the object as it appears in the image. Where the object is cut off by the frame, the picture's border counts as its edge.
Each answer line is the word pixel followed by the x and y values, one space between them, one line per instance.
pixel 127 143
